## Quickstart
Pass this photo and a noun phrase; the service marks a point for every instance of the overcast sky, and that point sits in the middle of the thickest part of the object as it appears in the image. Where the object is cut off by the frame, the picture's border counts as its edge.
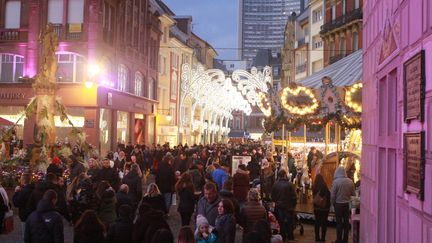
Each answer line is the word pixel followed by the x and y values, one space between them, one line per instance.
pixel 213 20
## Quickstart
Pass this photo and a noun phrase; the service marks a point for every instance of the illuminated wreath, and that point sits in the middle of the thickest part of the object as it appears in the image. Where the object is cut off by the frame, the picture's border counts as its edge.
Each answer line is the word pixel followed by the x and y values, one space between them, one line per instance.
pixel 264 104
pixel 353 97
pixel 299 100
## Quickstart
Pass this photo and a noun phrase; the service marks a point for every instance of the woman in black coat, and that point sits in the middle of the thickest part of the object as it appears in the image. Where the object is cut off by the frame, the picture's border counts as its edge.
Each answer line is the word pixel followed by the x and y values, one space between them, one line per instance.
pixel 154 198
pixel 149 221
pixel 134 183
pixel 185 191
pixel 89 229
pixel 225 222
pixel 321 212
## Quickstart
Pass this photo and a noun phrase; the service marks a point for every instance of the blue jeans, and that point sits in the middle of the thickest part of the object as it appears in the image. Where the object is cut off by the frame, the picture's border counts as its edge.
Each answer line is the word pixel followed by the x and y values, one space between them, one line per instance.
pixel 168 201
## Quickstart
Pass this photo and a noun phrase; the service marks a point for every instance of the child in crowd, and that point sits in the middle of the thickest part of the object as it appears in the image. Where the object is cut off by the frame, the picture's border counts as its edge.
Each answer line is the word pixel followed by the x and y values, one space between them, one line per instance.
pixel 202 233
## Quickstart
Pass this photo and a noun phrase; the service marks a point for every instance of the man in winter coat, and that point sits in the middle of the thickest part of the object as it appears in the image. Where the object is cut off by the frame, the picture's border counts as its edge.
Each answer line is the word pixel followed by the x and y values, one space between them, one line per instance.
pixel 342 190
pixel 22 195
pixel 76 168
pixel 285 198
pixel 106 173
pixel 50 182
pixel 45 224
pixel 220 175
pixel 122 229
pixel 208 205
pixel 241 184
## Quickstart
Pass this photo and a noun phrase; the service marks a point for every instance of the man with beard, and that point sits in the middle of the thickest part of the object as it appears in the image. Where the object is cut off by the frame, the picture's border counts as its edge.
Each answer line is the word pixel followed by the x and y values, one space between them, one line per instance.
pixel 106 173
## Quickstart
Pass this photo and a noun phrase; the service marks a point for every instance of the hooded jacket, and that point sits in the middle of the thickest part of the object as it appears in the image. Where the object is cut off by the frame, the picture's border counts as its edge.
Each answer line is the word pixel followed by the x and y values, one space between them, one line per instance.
pixel 44 225
pixel 343 187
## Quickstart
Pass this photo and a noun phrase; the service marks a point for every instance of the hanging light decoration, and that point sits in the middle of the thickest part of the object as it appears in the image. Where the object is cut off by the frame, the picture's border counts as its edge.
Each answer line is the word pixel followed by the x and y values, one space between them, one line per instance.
pixel 298 94
pixel 353 96
pixel 264 104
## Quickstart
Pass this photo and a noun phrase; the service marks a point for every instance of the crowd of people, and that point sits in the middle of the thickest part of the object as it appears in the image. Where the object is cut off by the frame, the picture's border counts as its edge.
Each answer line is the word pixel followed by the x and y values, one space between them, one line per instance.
pixel 109 199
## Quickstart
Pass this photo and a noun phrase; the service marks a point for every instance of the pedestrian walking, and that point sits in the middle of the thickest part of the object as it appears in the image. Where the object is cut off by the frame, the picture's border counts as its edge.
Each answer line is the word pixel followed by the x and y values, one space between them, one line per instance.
pixel 342 190
pixel 241 184
pixel 154 198
pixel 285 199
pixel 165 179
pixel 186 235
pixel 122 229
pixel 89 228
pixel 134 183
pixel 185 191
pixel 251 212
pixel 225 222
pixel 107 203
pixel 45 224
pixel 21 196
pixel 208 204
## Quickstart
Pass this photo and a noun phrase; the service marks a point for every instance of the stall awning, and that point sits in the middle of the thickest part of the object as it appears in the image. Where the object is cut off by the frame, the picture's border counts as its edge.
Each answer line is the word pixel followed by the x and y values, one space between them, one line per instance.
pixel 344 72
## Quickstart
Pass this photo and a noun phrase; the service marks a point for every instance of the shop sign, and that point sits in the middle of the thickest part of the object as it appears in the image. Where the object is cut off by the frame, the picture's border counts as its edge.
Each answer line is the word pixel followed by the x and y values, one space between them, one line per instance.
pixel 12 96
pixel 89 123
pixel 414 87
pixel 414 163
pixel 238 160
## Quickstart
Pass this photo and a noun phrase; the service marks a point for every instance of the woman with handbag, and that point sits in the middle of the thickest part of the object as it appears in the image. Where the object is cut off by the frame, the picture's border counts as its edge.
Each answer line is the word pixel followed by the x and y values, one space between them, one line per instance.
pixel 321 201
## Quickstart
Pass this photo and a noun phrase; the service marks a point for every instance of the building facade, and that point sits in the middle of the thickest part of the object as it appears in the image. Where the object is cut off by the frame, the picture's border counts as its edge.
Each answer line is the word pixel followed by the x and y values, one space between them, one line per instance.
pixel 121 38
pixel 316 20
pixel 342 29
pixel 262 24
pixel 396 187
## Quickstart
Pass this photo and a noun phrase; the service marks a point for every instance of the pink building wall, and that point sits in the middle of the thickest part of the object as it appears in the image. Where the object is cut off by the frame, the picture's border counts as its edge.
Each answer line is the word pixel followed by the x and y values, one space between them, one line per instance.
pixel 393 31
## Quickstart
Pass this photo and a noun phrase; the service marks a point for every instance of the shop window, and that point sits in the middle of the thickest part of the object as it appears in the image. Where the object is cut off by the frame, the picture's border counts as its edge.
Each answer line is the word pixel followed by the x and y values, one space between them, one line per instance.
pixel 237 124
pixel 55 11
pixel 13 15
pixel 75 11
pixel 138 84
pixel 105 123
pixel 11 67
pixel 356 4
pixel 123 127
pixel 63 128
pixel 70 67
pixel 122 78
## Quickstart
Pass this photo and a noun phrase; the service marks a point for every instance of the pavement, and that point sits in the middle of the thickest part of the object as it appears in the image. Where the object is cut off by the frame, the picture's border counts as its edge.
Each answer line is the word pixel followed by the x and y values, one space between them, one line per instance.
pixel 174 221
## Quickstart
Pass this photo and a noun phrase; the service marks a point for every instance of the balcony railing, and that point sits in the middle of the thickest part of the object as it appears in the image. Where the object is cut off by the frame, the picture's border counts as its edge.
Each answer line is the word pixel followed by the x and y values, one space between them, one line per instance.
pixel 13 35
pixel 336 58
pixel 72 32
pixel 340 21
pixel 301 68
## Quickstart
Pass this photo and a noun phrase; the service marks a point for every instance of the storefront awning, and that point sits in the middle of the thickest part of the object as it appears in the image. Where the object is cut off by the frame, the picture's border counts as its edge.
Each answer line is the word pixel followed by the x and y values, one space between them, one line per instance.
pixel 344 72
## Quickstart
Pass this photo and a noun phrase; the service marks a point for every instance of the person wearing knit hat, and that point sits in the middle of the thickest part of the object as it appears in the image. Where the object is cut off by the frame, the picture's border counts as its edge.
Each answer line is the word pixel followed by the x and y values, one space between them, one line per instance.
pixel 202 232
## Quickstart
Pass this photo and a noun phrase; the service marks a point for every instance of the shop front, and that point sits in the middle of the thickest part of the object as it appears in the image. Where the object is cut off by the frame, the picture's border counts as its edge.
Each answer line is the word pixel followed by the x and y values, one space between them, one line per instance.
pixel 108 117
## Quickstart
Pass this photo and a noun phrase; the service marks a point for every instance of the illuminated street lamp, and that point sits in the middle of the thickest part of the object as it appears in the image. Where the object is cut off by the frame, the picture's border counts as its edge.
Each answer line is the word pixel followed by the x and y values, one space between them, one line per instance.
pixel 93 71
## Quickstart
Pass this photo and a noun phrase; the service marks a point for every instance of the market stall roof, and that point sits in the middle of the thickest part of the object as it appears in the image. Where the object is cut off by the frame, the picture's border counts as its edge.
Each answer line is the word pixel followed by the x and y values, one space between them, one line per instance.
pixel 4 122
pixel 344 72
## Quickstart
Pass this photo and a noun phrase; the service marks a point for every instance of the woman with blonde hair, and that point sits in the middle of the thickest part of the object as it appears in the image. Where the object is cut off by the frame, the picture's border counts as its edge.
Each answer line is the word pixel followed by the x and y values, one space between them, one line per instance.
pixel 154 198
